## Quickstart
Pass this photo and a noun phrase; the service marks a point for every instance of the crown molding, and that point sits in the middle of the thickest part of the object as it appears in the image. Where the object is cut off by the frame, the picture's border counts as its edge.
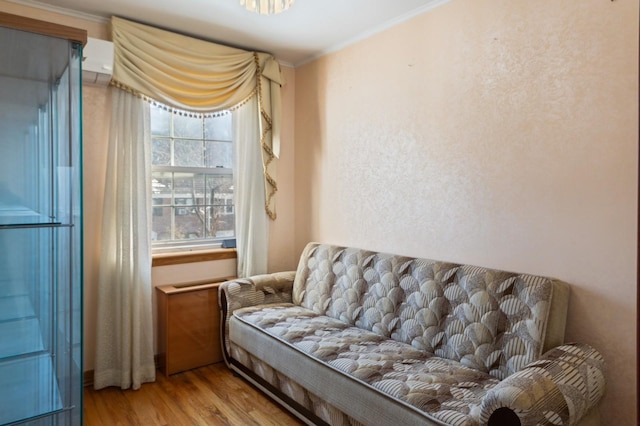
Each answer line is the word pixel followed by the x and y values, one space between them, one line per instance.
pixel 62 11
pixel 376 30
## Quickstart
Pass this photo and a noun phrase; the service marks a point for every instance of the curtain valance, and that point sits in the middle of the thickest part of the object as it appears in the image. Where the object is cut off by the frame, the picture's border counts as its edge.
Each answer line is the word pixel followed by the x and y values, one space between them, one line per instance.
pixel 199 76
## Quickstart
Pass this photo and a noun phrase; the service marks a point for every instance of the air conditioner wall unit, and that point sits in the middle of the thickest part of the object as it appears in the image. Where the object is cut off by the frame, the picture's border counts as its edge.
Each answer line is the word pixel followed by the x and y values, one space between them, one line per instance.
pixel 97 64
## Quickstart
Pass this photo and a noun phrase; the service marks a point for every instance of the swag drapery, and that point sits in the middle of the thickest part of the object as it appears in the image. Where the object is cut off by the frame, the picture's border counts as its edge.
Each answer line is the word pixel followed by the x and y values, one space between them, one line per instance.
pixel 202 77
pixel 192 76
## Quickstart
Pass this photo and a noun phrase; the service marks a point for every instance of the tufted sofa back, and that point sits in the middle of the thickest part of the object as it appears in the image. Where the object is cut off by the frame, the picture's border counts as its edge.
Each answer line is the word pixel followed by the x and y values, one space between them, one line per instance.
pixel 489 320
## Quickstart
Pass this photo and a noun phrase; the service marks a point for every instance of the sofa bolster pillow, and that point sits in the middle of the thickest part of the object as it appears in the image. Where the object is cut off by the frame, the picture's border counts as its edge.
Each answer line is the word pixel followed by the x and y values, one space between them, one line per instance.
pixel 558 389
pixel 257 290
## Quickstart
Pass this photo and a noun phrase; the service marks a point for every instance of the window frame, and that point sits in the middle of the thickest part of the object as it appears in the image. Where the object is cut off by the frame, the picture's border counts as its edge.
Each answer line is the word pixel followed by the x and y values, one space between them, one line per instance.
pixel 204 243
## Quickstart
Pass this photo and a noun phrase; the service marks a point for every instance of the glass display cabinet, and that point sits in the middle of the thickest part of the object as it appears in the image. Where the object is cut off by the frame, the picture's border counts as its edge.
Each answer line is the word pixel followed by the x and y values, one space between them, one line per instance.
pixel 40 223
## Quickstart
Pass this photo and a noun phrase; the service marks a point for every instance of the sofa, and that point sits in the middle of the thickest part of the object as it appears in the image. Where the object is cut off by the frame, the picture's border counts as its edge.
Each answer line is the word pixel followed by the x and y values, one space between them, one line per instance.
pixel 357 337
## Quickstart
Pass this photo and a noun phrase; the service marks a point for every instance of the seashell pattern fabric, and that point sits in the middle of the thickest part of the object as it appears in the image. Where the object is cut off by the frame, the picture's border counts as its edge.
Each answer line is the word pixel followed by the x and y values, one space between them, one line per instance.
pixel 441 387
pixel 492 321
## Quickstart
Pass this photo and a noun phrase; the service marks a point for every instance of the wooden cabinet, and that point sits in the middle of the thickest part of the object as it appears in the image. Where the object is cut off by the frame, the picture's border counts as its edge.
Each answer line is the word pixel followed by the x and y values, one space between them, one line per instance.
pixel 188 326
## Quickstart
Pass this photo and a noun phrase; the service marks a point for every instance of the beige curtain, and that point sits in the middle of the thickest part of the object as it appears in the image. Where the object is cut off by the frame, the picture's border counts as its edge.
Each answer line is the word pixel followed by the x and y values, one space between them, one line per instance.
pixel 252 227
pixel 124 332
pixel 199 76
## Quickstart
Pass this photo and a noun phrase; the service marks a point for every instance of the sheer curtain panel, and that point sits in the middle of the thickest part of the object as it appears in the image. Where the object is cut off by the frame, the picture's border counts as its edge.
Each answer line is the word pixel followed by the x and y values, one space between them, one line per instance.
pixel 124 353
pixel 252 225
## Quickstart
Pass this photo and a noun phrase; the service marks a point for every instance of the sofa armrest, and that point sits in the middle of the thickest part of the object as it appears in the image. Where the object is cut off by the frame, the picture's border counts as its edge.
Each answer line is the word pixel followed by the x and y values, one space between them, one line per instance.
pixel 252 291
pixel 559 388
pixel 256 290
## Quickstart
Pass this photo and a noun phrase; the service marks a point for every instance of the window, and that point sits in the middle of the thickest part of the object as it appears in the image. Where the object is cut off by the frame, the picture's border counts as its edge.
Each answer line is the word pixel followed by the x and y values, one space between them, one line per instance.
pixel 192 179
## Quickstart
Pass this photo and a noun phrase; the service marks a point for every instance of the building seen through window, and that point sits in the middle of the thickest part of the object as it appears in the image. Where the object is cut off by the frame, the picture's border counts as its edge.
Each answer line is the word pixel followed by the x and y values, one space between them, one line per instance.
pixel 192 179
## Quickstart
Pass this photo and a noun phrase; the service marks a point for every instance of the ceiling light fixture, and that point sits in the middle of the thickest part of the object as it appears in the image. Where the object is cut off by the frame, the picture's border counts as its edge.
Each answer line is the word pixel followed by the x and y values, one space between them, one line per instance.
pixel 267 7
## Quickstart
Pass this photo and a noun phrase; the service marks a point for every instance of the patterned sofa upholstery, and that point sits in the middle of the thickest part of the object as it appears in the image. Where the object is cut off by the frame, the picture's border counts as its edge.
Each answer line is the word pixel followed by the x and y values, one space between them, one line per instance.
pixel 355 337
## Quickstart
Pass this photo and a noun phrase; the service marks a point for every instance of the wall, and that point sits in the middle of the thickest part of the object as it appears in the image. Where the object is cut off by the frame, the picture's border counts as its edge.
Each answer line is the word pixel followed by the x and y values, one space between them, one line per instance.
pixel 282 248
pixel 501 133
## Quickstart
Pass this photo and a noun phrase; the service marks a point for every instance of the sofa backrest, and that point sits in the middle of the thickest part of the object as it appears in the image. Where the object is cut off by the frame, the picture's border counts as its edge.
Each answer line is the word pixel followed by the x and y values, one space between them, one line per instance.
pixel 490 320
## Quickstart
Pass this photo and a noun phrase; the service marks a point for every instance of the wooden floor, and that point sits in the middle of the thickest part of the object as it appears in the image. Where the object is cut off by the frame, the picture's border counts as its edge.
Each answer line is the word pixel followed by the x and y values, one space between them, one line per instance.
pixel 209 395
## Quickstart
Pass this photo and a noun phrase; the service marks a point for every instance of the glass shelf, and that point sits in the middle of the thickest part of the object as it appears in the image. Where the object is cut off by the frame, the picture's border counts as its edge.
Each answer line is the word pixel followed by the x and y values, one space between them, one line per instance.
pixel 30 225
pixel 34 389
pixel 21 217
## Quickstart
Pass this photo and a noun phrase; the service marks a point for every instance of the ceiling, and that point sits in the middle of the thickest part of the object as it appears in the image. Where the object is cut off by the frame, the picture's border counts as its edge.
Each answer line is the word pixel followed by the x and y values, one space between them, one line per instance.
pixel 309 29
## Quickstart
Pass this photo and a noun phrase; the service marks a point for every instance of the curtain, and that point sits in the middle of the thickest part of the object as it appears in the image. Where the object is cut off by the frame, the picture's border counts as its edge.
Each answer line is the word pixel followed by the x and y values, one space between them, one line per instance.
pixel 202 77
pixel 252 225
pixel 124 353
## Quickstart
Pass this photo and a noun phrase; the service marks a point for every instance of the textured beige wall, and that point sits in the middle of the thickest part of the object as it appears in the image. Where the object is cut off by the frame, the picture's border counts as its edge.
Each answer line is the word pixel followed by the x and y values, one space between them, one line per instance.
pixel 282 253
pixel 501 133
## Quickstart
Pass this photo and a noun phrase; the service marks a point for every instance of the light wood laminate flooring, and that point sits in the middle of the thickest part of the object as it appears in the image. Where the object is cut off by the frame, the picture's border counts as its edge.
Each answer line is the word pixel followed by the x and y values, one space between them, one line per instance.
pixel 208 395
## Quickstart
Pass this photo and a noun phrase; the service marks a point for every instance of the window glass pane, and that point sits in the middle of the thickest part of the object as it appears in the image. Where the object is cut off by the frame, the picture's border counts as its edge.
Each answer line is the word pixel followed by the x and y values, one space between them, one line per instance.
pixel 187 153
pixel 160 120
pixel 187 127
pixel 161 184
pixel 219 189
pixel 188 187
pixel 219 154
pixel 223 224
pixel 161 152
pixel 188 223
pixel 221 206
pixel 218 128
pixel 161 229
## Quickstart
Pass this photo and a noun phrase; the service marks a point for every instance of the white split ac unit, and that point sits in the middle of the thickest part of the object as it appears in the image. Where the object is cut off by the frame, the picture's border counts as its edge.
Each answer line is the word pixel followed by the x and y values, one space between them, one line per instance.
pixel 97 64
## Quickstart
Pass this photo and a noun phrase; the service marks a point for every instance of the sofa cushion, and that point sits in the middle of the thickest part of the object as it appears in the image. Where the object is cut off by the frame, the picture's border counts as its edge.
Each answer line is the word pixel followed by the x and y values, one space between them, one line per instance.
pixel 319 349
pixel 493 321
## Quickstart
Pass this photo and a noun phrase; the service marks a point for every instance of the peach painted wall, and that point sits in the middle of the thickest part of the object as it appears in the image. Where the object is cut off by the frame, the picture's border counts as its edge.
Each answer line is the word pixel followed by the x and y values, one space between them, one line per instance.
pixel 282 248
pixel 501 133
